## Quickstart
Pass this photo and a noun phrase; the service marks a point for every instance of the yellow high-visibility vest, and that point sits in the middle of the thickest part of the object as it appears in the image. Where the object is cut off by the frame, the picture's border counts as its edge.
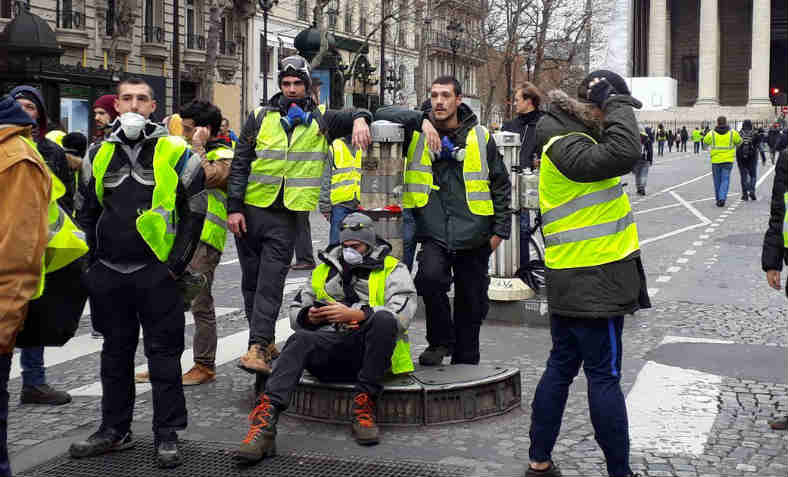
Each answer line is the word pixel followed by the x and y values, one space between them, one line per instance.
pixel 785 222
pixel 585 224
pixel 157 225
pixel 723 146
pixel 295 164
pixel 418 180
pixel 214 231
pixel 400 359
pixel 56 137
pixel 346 173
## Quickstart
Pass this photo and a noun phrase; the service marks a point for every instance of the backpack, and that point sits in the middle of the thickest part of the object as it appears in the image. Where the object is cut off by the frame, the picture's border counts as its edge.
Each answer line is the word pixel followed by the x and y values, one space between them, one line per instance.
pixel 746 144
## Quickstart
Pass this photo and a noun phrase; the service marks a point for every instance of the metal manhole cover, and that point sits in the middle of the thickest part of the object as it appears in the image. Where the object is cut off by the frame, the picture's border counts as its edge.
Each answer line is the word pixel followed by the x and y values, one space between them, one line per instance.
pixel 210 459
pixel 746 240
pixel 466 374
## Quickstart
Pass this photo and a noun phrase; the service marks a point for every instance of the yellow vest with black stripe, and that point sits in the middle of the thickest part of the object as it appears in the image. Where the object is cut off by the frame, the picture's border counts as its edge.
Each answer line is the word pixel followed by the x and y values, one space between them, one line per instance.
pixel 214 231
pixel 66 242
pixel 723 146
pixel 346 173
pixel 56 137
pixel 585 224
pixel 157 225
pixel 400 358
pixel 418 180
pixel 296 165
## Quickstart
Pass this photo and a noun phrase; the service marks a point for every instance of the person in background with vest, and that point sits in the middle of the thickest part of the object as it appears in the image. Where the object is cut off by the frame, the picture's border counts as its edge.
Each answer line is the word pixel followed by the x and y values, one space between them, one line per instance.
pixel 275 174
pixel 775 243
pixel 35 389
pixel 527 99
pixel 25 191
pixel 143 214
pixel 594 274
pixel 340 191
pixel 227 133
pixel 662 136
pixel 351 325
pixel 747 159
pixel 201 121
pixel 459 190
pixel 723 141
pixel 696 139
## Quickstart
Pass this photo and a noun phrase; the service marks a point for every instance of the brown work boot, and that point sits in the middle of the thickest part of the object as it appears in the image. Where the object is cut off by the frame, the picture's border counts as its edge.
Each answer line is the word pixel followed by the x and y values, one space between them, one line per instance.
pixel 270 353
pixel 260 441
pixel 199 374
pixel 143 377
pixel 254 361
pixel 365 431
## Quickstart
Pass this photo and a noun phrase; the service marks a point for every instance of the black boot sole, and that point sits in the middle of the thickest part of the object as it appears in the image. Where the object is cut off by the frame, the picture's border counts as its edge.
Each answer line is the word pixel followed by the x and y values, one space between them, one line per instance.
pixel 118 448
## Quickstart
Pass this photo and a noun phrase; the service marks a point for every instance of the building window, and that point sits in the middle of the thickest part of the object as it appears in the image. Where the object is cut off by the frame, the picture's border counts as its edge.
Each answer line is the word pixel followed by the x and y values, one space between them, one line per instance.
pixel 403 18
pixel 154 20
pixel 348 16
pixel 362 19
pixel 302 10
pixel 402 74
pixel 70 14
pixel 333 14
pixel 5 8
pixel 227 45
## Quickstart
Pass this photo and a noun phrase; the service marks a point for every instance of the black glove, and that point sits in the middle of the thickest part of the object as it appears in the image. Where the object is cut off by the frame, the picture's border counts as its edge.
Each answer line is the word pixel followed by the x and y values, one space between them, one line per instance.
pixel 600 92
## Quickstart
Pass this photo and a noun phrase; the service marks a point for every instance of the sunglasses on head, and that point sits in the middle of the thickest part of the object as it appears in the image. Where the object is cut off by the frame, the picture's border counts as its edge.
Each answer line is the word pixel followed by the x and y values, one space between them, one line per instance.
pixel 353 227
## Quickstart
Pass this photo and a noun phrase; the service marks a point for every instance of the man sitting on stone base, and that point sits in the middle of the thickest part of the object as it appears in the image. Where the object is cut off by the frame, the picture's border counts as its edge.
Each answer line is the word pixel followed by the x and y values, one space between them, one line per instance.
pixel 350 325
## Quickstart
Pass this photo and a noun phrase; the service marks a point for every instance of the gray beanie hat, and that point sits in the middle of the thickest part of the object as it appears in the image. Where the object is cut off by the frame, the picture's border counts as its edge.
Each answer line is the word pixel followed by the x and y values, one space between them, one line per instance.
pixel 358 226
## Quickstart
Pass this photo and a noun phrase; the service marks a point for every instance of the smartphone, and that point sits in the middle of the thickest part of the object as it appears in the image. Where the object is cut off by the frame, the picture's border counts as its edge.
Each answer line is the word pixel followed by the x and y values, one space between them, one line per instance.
pixel 319 304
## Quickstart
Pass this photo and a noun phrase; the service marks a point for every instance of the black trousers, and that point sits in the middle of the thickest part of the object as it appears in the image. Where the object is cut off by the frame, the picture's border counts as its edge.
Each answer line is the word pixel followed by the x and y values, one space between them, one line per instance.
pixel 438 267
pixel 121 303
pixel 264 252
pixel 361 356
pixel 304 252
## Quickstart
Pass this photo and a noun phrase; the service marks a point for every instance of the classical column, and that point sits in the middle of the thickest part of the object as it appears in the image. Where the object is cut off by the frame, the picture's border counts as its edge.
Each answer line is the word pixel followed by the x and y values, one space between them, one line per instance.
pixel 760 57
pixel 658 37
pixel 709 54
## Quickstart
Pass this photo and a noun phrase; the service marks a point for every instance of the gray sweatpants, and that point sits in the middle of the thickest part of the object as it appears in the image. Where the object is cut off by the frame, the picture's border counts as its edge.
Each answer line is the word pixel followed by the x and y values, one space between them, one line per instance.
pixel 641 173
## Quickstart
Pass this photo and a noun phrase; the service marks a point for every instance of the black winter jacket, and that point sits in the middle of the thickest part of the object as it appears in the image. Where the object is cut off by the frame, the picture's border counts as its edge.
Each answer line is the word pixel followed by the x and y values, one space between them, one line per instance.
pixel 55 158
pixel 337 124
pixel 616 288
pixel 774 253
pixel 525 126
pixel 446 218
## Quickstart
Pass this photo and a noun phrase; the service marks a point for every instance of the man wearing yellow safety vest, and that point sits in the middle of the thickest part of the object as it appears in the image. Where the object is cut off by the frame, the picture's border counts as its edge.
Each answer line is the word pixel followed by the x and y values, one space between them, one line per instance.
pixel 340 192
pixel 723 142
pixel 143 214
pixel 594 274
pixel 351 324
pixel 35 389
pixel 697 137
pixel 458 188
pixel 201 123
pixel 775 242
pixel 25 190
pixel 276 174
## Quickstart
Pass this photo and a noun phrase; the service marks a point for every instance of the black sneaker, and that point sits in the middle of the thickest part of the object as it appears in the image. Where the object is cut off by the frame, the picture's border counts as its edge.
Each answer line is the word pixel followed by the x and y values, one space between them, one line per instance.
pixel 96 335
pixel 752 196
pixel 44 394
pixel 168 455
pixel 103 441
pixel 552 471
pixel 433 355
pixel 745 196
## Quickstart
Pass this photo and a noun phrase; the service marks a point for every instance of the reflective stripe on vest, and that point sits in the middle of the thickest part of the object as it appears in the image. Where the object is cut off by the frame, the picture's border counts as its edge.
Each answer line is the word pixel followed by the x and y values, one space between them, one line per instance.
pixel 158 225
pixel 585 223
pixel 214 230
pixel 400 359
pixel 65 241
pixel 418 180
pixel 346 173
pixel 297 162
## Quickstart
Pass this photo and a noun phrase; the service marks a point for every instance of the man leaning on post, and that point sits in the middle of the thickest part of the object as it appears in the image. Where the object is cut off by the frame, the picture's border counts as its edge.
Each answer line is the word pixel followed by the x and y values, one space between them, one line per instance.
pixel 594 273
pixel 350 325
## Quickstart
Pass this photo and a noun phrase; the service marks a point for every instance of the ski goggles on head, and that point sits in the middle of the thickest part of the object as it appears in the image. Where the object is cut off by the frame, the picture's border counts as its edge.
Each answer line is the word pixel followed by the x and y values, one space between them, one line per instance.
pixel 354 227
pixel 294 63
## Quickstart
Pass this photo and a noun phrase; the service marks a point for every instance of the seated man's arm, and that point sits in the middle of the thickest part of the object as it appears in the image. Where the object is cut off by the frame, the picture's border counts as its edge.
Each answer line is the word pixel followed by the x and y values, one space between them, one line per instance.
pixel 401 298
pixel 299 308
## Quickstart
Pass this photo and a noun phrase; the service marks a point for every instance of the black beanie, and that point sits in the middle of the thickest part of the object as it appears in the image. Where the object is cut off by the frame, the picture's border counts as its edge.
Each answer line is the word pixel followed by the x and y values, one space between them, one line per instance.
pixel 75 143
pixel 615 80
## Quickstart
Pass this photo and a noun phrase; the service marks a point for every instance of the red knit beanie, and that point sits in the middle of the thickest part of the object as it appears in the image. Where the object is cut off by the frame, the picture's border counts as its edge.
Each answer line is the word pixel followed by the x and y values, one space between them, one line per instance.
pixel 107 103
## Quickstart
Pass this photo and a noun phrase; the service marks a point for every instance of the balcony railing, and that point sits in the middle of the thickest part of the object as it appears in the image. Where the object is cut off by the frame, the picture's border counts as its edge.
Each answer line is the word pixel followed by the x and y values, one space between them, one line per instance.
pixel 227 48
pixel 154 34
pixel 439 39
pixel 195 42
pixel 71 19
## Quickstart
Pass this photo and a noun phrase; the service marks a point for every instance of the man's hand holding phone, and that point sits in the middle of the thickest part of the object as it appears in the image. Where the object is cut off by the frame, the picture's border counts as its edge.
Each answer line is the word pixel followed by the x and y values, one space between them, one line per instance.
pixel 333 312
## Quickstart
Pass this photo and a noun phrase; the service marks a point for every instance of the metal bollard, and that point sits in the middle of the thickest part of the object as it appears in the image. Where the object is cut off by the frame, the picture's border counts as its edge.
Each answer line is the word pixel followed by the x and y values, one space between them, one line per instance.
pixel 382 173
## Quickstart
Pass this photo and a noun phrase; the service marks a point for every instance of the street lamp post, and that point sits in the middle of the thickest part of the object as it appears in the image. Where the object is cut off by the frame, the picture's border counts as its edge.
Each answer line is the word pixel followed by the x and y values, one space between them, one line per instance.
pixel 266 6
pixel 455 30
pixel 527 49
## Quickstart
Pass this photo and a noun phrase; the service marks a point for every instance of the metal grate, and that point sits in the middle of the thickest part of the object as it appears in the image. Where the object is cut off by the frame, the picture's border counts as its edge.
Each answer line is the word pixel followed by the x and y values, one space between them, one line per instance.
pixel 210 459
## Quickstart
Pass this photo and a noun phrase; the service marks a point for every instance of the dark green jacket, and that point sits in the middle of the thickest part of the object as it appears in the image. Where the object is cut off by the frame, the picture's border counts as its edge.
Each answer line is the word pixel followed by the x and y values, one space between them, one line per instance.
pixel 611 289
pixel 446 218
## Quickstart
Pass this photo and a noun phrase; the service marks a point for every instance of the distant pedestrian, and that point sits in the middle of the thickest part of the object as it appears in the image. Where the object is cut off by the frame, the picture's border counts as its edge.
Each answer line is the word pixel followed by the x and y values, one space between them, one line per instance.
pixel 684 138
pixel 775 243
pixel 764 145
pixel 773 138
pixel 640 170
pixel 671 138
pixel 747 160
pixel 662 136
pixel 722 141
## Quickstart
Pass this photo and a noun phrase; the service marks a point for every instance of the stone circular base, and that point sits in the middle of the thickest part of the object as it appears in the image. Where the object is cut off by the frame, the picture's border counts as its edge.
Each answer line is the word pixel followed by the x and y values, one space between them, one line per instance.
pixel 428 396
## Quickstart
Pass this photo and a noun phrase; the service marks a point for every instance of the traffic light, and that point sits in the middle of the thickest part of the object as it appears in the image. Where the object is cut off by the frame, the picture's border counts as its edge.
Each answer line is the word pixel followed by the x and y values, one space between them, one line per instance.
pixel 775 91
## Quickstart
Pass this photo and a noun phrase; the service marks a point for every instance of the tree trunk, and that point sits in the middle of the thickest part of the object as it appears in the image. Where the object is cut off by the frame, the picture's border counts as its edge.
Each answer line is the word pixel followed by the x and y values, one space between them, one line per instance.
pixel 212 49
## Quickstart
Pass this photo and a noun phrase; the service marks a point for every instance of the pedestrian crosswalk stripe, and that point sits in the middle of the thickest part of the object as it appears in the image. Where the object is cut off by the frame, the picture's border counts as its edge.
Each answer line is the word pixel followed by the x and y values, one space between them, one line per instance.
pixel 85 344
pixel 228 349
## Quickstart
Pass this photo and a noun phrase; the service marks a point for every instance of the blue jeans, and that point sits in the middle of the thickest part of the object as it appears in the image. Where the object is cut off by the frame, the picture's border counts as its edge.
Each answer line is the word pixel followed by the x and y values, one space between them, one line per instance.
pixel 408 238
pixel 5 370
pixel 32 362
pixel 525 238
pixel 596 344
pixel 338 214
pixel 722 179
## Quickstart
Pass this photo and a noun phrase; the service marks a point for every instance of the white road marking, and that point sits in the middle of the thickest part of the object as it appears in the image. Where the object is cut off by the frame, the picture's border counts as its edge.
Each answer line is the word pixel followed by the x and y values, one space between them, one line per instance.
pixel 228 262
pixel 653 291
pixel 684 183
pixel 674 269
pixel 682 260
pixel 670 234
pixel 84 345
pixel 663 278
pixel 709 230
pixel 764 176
pixel 703 236
pixel 697 244
pixel 704 221
pixel 228 349
pixel 671 206
pixel 689 252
